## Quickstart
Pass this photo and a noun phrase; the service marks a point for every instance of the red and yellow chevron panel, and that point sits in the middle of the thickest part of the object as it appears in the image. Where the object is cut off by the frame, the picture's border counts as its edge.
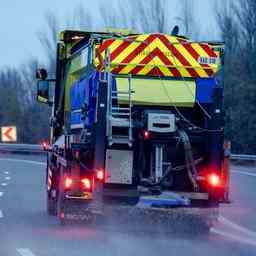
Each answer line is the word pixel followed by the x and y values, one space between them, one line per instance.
pixel 158 55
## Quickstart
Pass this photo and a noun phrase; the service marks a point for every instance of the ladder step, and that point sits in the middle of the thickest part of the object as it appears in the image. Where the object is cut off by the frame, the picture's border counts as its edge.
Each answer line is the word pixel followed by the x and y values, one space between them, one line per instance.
pixel 120 122
pixel 120 108
pixel 120 140
pixel 120 114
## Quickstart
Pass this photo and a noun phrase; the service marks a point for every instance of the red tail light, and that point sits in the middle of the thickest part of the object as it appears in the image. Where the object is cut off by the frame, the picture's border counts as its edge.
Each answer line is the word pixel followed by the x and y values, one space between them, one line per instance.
pixel 86 183
pixel 146 135
pixel 45 145
pixel 214 180
pixel 100 175
pixel 68 182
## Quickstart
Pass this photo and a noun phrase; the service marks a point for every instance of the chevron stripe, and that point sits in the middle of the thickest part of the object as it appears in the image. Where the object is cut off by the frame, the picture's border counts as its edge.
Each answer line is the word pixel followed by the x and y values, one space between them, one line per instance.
pixel 178 55
pixel 136 55
pixel 185 51
pixel 196 55
pixel 158 54
pixel 201 52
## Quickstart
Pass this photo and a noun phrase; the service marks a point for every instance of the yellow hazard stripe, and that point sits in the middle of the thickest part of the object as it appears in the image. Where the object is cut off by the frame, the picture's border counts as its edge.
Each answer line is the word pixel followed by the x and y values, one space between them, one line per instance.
pixel 199 69
pixel 132 46
pixel 178 58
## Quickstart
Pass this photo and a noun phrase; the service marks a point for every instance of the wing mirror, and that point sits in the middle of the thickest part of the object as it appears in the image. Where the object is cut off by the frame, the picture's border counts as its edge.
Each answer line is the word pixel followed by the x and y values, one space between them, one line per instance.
pixel 43 91
pixel 43 86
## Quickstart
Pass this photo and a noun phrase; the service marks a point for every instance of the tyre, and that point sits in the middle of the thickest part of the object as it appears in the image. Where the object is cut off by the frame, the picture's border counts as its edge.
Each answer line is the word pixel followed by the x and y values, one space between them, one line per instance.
pixel 61 208
pixel 51 205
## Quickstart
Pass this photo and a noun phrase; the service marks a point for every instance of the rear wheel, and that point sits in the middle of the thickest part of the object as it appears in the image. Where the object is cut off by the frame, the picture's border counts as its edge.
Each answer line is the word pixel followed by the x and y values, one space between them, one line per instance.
pixel 51 205
pixel 61 208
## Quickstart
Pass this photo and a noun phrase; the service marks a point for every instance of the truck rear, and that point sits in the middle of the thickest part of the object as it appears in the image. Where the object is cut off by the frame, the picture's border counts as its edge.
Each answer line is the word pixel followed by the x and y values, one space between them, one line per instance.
pixel 136 128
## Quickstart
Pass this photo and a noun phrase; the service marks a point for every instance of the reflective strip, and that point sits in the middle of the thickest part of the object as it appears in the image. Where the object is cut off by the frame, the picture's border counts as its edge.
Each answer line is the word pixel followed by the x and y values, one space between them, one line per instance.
pixel 159 55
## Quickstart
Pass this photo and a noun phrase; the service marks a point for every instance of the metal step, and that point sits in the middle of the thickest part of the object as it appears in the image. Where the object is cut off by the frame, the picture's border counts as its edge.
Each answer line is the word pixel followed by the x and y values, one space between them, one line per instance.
pixel 120 122
pixel 120 140
pixel 120 114
pixel 121 109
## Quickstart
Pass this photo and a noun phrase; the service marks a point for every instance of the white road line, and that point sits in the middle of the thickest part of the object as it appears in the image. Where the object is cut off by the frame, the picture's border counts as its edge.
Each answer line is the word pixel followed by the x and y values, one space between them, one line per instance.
pixel 6 172
pixel 22 161
pixel 1 214
pixel 244 173
pixel 25 252
pixel 237 238
pixel 3 184
pixel 237 227
pixel 7 178
pixel 1 193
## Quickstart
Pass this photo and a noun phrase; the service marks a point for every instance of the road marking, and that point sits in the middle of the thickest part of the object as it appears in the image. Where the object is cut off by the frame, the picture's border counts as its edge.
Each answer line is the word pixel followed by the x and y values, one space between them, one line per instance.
pixel 244 173
pixel 7 178
pixel 25 252
pixel 22 161
pixel 234 237
pixel 1 214
pixel 1 193
pixel 6 173
pixel 4 184
pixel 237 227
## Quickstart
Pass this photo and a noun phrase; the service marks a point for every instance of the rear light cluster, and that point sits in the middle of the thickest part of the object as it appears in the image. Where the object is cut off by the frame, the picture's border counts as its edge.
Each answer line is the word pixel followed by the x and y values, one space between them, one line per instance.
pixel 100 175
pixel 146 135
pixel 214 180
pixel 86 183
pixel 44 145
pixel 68 182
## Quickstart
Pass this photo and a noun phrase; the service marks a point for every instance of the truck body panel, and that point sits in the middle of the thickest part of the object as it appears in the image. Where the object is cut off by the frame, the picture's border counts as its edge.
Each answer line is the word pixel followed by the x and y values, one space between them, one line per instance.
pixel 138 119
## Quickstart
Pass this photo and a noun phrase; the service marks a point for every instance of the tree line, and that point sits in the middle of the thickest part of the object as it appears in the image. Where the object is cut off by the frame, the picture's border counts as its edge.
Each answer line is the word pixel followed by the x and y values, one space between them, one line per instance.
pixel 236 23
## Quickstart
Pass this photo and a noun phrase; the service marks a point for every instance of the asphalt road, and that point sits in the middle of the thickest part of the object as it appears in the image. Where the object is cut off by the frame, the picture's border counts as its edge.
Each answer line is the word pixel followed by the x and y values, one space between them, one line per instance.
pixel 26 230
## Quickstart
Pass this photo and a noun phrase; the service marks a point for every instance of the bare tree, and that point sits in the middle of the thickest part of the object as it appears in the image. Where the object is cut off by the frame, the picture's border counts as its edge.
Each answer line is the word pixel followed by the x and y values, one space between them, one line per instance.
pixel 49 38
pixel 227 25
pixel 27 72
pixel 237 25
pixel 245 12
pixel 187 20
pixel 151 16
pixel 82 18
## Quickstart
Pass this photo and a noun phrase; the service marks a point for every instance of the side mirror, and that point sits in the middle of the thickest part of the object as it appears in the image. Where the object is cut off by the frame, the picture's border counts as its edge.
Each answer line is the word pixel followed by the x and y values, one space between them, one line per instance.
pixel 43 91
pixel 41 74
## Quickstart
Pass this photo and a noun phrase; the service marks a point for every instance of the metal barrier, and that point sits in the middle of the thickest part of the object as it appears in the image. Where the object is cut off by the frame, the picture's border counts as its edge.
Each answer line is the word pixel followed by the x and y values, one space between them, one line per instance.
pixel 21 148
pixel 243 157
pixel 37 149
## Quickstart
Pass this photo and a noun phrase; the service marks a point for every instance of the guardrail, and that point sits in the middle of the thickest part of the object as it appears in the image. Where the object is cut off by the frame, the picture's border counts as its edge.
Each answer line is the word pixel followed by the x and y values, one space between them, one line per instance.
pixel 243 157
pixel 21 148
pixel 37 149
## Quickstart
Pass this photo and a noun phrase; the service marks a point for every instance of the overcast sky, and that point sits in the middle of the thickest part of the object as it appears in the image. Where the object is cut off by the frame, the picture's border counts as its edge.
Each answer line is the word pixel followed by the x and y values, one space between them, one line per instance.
pixel 21 19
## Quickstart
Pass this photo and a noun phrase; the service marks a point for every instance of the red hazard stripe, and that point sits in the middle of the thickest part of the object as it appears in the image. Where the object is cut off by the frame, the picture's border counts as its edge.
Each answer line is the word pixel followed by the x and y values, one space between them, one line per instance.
pixel 105 45
pixel 145 61
pixel 135 52
pixel 209 51
pixel 164 59
pixel 155 72
pixel 119 49
pixel 178 55
pixel 195 55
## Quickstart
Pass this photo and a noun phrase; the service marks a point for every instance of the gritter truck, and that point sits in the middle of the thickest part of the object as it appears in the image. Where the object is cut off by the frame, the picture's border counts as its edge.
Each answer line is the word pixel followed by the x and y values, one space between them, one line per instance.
pixel 136 128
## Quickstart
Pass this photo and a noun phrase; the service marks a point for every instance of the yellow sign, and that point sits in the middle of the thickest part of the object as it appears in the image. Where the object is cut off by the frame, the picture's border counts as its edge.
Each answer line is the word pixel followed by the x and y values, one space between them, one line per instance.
pixel 8 134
